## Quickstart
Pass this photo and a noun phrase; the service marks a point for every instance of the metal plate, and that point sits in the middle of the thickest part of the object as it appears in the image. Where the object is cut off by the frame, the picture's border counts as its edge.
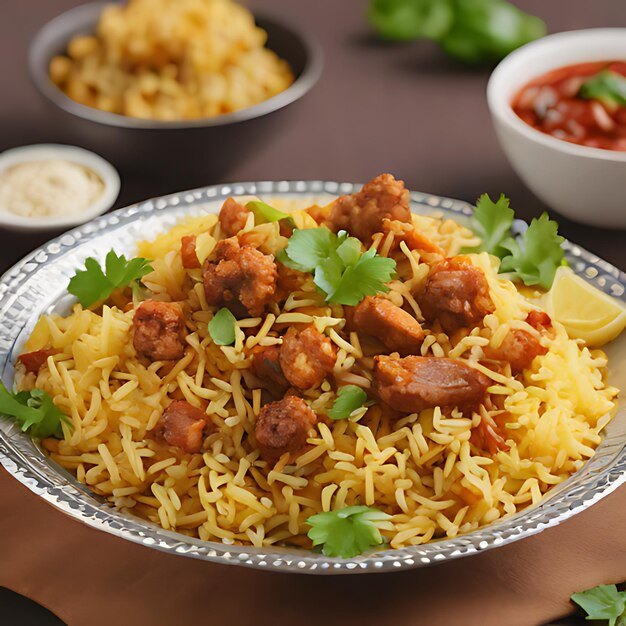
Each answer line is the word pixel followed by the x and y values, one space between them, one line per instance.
pixel 38 284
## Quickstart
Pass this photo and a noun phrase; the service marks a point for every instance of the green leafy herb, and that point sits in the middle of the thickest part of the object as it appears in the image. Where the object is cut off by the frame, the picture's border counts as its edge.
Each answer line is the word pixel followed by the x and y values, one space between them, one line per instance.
pixel 222 328
pixel 92 285
pixel 402 20
pixel 492 222
pixel 608 87
pixel 34 412
pixel 534 256
pixel 339 268
pixel 264 213
pixel 472 31
pixel 603 602
pixel 347 532
pixel 349 398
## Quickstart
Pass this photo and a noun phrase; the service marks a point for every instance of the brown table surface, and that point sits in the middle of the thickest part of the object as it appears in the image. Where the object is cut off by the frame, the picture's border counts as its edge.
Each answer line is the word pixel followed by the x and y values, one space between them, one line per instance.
pixel 398 108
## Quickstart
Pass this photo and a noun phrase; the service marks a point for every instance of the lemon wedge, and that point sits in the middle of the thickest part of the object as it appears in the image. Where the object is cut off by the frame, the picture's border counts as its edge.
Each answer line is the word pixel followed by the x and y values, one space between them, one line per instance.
pixel 586 312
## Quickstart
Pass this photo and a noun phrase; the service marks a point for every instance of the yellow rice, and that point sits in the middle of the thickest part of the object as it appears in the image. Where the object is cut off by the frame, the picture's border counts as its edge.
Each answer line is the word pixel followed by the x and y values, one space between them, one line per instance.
pixel 422 469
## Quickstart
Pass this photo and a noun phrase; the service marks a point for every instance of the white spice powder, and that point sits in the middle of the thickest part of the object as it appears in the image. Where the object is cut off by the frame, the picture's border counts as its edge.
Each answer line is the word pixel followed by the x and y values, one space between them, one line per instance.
pixel 48 188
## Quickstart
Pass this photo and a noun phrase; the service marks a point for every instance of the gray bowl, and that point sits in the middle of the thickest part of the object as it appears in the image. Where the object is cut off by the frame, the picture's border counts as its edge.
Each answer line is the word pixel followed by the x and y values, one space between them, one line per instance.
pixel 186 153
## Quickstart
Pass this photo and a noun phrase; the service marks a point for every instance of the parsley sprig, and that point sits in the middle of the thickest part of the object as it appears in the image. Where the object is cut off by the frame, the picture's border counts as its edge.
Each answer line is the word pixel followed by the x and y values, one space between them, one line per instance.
pixel 603 602
pixel 34 412
pixel 340 270
pixel 532 257
pixel 349 399
pixel 347 532
pixel 93 285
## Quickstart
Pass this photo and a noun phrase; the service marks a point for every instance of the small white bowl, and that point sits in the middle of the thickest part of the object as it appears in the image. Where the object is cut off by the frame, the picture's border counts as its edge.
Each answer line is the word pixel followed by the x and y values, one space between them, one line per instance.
pixel 586 184
pixel 80 156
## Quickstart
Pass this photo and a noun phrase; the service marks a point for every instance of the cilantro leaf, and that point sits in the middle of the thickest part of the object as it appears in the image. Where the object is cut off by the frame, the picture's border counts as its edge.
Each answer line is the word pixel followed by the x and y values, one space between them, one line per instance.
pixel 339 268
pixel 602 602
pixel 34 411
pixel 222 327
pixel 608 87
pixel 308 248
pixel 534 256
pixel 349 398
pixel 264 213
pixel 492 222
pixel 92 285
pixel 366 278
pixel 347 532
pixel 349 251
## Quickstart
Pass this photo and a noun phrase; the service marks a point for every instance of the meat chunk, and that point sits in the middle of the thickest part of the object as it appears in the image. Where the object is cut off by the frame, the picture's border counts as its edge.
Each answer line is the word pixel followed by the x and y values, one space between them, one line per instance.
pixel 411 236
pixel 283 426
pixel 414 383
pixel 457 294
pixel 232 217
pixel 184 426
pixel 539 320
pixel 33 361
pixel 266 367
pixel 490 435
pixel 239 277
pixel 319 213
pixel 306 357
pixel 382 319
pixel 188 252
pixel 362 213
pixel 519 348
pixel 159 330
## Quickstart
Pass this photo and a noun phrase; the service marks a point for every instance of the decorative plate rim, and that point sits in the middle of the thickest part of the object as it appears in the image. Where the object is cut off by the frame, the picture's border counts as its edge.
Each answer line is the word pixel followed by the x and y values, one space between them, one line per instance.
pixel 601 475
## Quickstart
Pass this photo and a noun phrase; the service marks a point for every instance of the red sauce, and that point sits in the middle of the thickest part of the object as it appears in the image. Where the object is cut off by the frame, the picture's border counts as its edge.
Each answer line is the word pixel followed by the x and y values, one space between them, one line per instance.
pixel 550 103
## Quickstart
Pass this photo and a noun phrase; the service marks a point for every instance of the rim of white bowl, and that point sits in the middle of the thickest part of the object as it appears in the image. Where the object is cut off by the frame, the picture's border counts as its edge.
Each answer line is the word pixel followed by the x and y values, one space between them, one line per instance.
pixel 42 152
pixel 499 99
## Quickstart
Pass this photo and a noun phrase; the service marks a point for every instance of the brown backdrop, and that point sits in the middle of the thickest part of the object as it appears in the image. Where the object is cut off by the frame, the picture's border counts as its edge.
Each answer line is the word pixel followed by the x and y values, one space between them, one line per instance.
pixel 398 108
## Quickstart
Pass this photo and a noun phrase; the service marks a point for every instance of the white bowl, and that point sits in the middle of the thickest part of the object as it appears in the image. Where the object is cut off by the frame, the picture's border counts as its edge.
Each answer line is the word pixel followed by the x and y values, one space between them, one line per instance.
pixel 80 156
pixel 586 184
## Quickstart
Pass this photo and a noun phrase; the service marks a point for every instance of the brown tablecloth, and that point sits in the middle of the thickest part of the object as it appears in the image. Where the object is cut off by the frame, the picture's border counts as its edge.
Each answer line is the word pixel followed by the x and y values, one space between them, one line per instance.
pixel 403 109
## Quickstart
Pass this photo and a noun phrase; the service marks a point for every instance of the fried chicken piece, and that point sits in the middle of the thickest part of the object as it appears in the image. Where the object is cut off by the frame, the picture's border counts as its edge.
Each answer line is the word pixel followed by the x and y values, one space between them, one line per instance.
pixel 414 383
pixel 239 277
pixel 319 213
pixel 456 293
pixel 396 328
pixel 232 217
pixel 188 252
pixel 306 357
pixel 519 348
pixel 362 213
pixel 283 426
pixel 184 426
pixel 539 320
pixel 266 367
pixel 159 330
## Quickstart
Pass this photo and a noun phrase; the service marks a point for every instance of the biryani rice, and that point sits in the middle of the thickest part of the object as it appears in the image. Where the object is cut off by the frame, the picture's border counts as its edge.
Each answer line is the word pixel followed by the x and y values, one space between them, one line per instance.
pixel 422 468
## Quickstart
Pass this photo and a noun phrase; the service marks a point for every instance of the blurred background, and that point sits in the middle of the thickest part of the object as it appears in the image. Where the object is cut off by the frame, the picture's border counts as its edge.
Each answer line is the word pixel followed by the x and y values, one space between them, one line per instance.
pixel 405 108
